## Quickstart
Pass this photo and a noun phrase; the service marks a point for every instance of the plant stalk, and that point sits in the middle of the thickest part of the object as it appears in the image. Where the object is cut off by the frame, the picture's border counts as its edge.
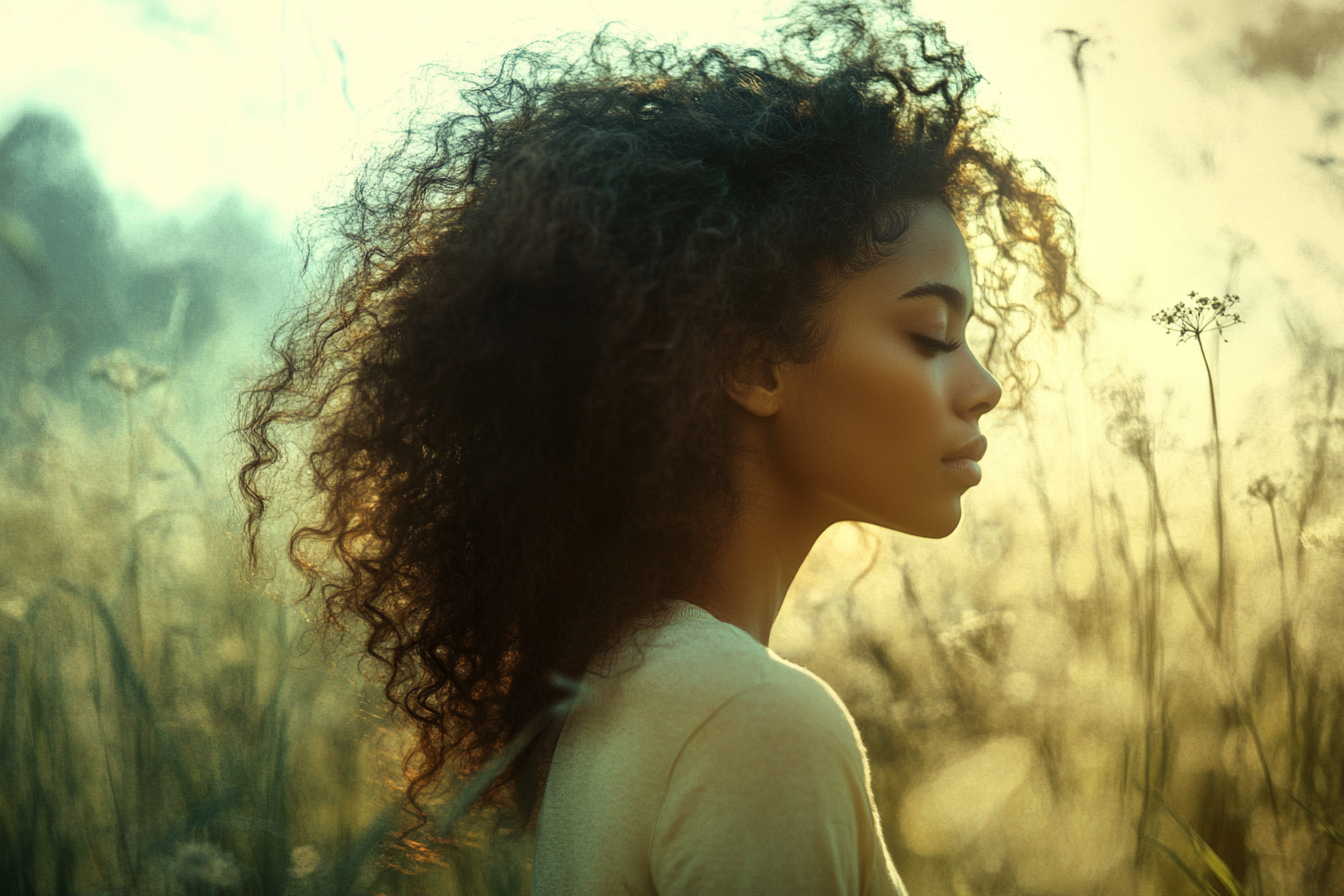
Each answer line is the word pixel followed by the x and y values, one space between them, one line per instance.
pixel 1221 608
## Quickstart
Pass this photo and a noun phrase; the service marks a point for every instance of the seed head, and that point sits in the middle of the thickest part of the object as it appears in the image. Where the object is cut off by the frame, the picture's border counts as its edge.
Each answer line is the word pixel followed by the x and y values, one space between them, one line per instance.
pixel 1203 314
pixel 1265 489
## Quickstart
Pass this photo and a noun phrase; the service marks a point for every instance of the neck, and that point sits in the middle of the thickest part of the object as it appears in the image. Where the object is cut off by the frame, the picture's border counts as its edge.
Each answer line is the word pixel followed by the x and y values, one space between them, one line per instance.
pixel 758 558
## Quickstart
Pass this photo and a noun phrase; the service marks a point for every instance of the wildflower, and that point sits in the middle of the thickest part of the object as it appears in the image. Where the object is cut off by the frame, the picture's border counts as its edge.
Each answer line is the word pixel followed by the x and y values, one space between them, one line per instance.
pixel 303 861
pixel 1131 428
pixel 1202 315
pixel 1265 489
pixel 126 371
pixel 1206 314
pixel 206 863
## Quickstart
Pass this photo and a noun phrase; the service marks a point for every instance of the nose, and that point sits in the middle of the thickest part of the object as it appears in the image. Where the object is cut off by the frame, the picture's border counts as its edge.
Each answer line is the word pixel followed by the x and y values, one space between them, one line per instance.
pixel 981 393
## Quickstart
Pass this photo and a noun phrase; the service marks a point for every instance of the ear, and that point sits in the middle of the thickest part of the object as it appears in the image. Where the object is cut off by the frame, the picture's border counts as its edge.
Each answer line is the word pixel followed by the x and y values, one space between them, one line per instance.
pixel 754 384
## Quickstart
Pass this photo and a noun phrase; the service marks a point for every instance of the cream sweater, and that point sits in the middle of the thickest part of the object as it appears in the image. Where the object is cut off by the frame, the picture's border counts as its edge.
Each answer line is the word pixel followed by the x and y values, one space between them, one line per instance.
pixel 702 764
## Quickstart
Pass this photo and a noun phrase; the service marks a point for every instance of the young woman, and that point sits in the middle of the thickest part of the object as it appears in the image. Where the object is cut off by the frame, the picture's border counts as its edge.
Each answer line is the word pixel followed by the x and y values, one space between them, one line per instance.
pixel 597 364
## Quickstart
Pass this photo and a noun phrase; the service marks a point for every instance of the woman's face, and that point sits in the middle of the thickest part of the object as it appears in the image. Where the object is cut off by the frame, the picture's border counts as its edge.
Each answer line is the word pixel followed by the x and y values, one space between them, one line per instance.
pixel 883 425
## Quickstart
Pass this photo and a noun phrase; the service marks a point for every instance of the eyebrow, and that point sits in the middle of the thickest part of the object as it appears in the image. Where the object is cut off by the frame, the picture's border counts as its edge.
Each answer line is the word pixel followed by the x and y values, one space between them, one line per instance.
pixel 954 298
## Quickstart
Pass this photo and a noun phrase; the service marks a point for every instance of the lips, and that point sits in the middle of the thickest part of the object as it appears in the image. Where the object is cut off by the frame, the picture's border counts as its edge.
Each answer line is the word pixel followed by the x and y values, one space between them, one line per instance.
pixel 972 450
pixel 962 463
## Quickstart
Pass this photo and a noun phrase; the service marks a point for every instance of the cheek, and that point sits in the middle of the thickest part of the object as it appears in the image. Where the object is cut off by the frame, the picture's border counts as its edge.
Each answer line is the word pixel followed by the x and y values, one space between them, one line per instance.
pixel 867 412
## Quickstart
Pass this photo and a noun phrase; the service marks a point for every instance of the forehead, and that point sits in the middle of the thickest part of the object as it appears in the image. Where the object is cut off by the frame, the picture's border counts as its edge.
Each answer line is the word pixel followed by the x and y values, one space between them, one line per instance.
pixel 933 245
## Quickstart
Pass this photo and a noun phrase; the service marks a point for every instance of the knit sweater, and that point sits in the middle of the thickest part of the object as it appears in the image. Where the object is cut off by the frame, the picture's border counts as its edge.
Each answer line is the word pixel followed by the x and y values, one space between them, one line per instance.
pixel 703 764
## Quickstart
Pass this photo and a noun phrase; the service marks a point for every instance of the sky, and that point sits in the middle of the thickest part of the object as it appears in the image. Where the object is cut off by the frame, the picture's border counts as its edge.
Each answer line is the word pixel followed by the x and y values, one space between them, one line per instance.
pixel 1196 141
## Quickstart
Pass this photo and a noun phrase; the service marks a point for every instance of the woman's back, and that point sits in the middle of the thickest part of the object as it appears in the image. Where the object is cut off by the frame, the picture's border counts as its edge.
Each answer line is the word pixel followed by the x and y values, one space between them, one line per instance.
pixel 701 762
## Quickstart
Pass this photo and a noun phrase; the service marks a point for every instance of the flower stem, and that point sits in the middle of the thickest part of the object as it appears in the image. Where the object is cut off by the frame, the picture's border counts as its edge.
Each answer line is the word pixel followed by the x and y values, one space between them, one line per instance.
pixel 1286 623
pixel 1220 605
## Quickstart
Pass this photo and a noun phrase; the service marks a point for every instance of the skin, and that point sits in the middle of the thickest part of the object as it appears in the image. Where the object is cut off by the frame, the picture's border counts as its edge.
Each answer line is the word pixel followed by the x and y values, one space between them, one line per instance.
pixel 863 432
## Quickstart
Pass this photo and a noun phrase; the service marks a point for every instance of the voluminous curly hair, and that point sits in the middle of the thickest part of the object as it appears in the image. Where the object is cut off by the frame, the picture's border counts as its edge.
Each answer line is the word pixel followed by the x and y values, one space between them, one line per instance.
pixel 506 388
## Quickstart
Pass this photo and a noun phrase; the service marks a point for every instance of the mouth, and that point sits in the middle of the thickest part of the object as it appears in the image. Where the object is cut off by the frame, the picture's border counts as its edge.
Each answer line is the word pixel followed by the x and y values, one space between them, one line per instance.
pixel 965 469
pixel 962 463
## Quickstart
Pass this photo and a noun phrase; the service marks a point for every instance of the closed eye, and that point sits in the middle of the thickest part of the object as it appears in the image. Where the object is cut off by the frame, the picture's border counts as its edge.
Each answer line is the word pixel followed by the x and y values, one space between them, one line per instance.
pixel 936 345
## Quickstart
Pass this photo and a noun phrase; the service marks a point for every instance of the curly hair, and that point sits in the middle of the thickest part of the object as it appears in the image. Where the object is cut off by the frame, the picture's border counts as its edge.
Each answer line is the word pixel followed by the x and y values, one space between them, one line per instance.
pixel 506 387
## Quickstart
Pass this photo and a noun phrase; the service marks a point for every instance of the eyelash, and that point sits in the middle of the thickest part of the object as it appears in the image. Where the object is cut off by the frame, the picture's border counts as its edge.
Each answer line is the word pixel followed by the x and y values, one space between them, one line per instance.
pixel 936 344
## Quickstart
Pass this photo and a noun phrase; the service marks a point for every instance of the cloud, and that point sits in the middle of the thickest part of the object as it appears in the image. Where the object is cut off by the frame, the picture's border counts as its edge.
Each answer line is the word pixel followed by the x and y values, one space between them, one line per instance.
pixel 1299 43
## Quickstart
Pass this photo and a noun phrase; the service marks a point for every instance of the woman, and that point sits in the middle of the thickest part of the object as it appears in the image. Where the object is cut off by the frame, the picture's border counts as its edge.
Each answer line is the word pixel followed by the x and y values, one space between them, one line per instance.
pixel 597 364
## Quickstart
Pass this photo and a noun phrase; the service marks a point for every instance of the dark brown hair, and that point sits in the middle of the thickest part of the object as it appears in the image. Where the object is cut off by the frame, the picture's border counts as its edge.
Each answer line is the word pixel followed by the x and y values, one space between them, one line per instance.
pixel 505 389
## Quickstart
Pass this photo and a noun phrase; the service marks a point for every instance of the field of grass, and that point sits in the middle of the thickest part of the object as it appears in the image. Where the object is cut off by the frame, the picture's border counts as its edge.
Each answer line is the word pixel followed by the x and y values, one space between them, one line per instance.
pixel 167 726
pixel 1124 678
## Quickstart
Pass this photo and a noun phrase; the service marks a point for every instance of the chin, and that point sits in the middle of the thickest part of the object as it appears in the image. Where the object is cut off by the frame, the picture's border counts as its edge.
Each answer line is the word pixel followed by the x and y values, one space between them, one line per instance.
pixel 933 525
pixel 941 531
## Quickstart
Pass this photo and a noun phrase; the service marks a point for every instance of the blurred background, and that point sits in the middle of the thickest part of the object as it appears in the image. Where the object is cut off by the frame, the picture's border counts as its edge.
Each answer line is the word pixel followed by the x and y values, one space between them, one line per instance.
pixel 1121 675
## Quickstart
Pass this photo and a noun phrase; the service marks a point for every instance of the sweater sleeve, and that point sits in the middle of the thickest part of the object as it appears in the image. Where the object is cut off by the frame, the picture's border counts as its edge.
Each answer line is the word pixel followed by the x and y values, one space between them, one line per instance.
pixel 770 795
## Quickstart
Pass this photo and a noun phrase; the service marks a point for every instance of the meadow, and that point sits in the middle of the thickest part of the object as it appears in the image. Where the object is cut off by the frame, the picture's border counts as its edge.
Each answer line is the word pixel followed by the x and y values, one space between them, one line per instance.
pixel 1122 675
pixel 1086 690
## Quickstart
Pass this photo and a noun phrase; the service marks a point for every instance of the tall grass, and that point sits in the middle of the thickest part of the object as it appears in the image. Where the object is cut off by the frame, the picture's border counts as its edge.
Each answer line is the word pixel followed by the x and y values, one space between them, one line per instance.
pixel 1080 693
pixel 165 727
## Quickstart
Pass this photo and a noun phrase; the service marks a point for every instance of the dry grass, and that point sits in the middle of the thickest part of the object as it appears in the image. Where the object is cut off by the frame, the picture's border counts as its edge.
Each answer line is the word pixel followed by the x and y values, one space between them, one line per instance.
pixel 1071 696
pixel 167 727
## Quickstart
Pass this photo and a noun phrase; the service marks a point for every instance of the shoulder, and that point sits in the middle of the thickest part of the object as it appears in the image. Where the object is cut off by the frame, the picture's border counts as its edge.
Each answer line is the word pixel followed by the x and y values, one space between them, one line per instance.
pixel 697 690
pixel 663 685
pixel 733 681
pixel 691 659
pixel 769 794
pixel 804 692
pixel 787 718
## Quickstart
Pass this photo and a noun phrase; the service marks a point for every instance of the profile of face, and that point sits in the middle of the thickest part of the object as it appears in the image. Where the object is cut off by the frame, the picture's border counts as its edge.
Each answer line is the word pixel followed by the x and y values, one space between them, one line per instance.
pixel 882 426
